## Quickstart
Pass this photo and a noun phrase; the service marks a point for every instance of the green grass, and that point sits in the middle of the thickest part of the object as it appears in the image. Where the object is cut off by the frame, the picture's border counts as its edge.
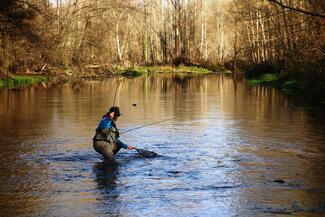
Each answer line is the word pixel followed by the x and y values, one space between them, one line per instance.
pixel 266 79
pixel 278 81
pixel 134 72
pixel 18 81
pixel 193 69
pixel 144 70
pixel 291 84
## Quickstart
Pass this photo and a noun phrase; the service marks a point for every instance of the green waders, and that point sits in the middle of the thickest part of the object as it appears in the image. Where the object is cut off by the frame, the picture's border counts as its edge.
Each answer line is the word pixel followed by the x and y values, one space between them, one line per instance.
pixel 104 142
pixel 107 149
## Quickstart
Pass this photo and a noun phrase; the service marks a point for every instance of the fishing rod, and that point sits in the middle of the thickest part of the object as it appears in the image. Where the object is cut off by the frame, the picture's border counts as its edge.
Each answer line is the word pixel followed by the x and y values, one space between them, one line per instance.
pixel 141 152
pixel 117 87
pixel 146 125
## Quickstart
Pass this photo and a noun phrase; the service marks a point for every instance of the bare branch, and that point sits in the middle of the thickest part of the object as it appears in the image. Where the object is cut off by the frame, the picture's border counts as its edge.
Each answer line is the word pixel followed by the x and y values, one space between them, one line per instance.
pixel 297 9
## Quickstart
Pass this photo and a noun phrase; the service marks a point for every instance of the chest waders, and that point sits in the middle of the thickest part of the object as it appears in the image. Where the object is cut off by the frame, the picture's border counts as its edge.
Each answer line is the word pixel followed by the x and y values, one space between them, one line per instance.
pixel 104 142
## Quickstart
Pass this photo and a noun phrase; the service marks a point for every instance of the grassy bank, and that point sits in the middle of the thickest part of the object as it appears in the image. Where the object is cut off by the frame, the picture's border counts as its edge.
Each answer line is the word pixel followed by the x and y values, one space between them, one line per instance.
pixel 145 70
pixel 20 81
pixel 304 82
pixel 276 80
pixel 57 75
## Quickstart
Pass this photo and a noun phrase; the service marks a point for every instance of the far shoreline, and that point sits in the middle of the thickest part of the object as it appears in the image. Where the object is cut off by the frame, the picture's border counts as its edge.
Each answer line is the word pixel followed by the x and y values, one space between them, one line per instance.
pixel 58 75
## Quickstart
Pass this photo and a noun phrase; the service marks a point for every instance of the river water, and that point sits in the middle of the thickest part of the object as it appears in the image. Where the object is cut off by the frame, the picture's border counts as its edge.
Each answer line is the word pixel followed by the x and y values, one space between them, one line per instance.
pixel 229 150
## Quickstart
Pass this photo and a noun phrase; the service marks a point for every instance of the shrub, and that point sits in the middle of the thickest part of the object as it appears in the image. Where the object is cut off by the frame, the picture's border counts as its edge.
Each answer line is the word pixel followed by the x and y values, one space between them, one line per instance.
pixel 256 70
pixel 134 72
pixel 215 67
pixel 309 75
pixel 181 60
pixel 267 79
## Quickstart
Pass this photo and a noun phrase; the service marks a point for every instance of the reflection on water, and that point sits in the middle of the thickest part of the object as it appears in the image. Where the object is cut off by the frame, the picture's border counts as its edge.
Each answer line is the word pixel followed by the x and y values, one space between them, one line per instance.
pixel 230 150
pixel 106 178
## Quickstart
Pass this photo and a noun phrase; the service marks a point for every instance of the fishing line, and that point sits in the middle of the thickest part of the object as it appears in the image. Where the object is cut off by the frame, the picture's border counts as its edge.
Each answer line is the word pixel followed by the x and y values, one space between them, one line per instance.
pixel 136 128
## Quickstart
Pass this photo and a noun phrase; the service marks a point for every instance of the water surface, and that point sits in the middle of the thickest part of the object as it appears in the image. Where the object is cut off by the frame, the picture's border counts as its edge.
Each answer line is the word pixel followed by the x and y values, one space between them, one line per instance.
pixel 230 150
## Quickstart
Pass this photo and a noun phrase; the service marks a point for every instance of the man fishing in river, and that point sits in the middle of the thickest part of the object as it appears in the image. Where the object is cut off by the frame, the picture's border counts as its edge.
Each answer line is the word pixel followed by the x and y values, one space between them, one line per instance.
pixel 106 140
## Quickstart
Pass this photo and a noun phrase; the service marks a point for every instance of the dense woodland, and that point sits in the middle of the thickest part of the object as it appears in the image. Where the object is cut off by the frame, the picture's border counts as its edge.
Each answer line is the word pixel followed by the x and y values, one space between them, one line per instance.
pixel 282 35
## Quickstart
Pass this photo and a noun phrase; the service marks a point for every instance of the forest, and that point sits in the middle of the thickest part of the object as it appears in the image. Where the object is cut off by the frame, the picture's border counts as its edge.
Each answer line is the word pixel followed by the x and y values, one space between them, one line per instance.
pixel 258 37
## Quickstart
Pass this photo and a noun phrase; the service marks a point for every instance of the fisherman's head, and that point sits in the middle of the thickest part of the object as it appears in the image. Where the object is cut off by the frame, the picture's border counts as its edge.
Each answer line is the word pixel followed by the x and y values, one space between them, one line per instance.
pixel 114 113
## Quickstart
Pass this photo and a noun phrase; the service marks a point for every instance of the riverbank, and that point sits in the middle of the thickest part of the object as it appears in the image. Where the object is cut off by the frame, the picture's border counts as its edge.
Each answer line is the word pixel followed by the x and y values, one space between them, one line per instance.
pixel 292 87
pixel 303 81
pixel 275 80
pixel 22 81
pixel 145 70
pixel 58 75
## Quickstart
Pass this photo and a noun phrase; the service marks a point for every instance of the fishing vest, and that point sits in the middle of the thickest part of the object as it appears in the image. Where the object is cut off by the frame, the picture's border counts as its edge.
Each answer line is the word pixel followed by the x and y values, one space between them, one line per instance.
pixel 106 134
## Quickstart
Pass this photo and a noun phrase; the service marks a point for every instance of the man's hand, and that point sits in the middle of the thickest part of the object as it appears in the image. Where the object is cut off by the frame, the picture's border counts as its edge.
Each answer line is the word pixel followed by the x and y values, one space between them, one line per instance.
pixel 130 147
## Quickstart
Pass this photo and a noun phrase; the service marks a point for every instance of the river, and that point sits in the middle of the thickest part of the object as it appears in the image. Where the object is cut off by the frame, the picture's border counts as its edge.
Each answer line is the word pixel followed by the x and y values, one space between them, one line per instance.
pixel 229 150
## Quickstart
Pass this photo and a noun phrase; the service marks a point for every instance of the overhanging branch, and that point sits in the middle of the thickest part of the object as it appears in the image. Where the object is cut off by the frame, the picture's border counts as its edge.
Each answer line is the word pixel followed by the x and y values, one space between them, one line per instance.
pixel 297 9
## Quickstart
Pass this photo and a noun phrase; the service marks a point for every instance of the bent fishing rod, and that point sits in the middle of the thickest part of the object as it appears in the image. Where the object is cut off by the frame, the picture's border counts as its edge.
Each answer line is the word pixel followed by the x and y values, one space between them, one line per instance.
pixel 146 125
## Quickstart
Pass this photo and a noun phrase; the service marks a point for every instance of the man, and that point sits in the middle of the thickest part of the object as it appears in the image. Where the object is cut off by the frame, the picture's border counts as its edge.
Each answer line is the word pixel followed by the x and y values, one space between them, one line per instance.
pixel 106 140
